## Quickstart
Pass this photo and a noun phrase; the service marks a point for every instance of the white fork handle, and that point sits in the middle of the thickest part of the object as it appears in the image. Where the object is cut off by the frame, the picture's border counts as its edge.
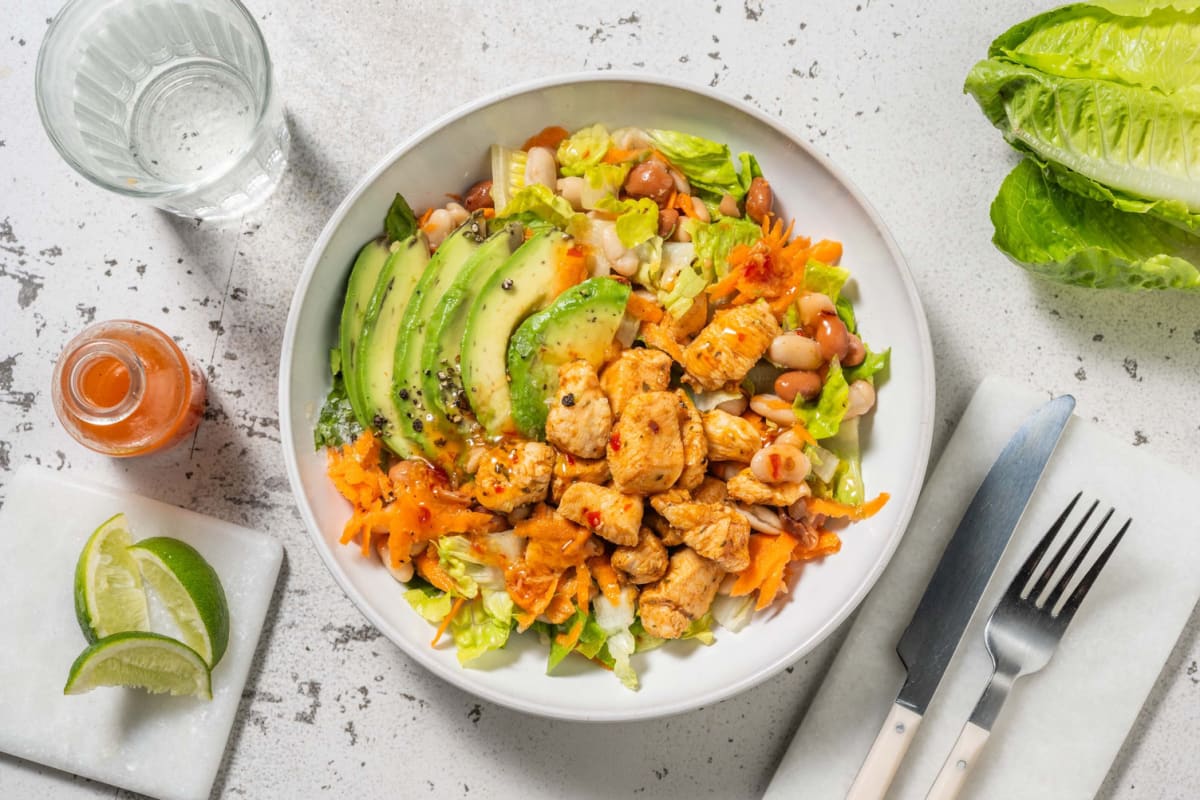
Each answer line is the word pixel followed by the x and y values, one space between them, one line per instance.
pixel 959 763
pixel 877 772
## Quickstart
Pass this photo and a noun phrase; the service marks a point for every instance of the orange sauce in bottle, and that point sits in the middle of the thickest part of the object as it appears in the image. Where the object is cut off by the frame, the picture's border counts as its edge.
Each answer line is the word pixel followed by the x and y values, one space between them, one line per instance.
pixel 124 388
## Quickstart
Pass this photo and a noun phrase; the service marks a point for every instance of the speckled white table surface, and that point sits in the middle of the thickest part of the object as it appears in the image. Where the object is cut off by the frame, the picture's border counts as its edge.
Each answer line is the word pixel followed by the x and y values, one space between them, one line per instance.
pixel 332 708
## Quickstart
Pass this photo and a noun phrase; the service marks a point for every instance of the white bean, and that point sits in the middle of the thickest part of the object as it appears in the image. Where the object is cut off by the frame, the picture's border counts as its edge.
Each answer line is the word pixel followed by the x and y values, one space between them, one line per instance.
pixel 774 408
pixel 735 407
pixel 632 139
pixel 438 227
pixel 681 183
pixel 627 264
pixel 780 463
pixel 792 438
pixel 402 573
pixel 571 188
pixel 540 167
pixel 861 400
pixel 458 214
pixel 729 206
pixel 613 249
pixel 795 351
pixel 701 210
pixel 814 305
pixel 761 518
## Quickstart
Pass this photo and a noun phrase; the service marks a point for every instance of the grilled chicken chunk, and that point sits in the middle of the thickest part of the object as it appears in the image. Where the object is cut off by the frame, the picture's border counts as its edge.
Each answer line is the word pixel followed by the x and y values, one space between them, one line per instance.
pixel 645 451
pixel 514 474
pixel 612 515
pixel 730 438
pixel 644 563
pixel 568 470
pixel 746 488
pixel 683 595
pixel 730 345
pixel 635 372
pixel 710 490
pixel 581 418
pixel 715 531
pixel 695 445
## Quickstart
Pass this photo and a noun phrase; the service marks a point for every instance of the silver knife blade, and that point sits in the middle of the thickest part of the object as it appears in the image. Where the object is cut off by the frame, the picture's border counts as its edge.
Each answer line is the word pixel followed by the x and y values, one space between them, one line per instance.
pixel 968 561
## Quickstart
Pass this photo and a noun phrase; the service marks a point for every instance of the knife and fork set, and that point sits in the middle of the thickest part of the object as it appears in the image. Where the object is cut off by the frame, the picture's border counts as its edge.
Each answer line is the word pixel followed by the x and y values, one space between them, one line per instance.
pixel 1026 625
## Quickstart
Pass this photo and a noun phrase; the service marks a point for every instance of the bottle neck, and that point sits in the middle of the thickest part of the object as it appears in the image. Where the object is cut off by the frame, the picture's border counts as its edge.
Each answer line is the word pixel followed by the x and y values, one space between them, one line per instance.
pixel 105 382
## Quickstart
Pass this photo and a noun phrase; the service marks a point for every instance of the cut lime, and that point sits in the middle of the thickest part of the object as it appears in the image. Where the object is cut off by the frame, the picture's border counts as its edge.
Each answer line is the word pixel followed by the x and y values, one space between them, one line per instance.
pixel 191 591
pixel 140 660
pixel 108 589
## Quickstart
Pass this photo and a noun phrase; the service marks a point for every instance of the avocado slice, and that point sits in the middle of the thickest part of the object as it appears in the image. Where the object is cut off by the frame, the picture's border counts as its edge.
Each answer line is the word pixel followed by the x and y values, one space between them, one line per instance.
pixel 418 421
pixel 525 284
pixel 359 289
pixel 441 368
pixel 377 344
pixel 580 323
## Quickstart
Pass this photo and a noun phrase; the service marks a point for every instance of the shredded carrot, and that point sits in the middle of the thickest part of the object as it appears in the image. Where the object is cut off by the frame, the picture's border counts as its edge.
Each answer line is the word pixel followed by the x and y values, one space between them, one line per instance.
pixel 446 620
pixel 827 544
pixel 615 155
pixel 571 637
pixel 550 137
pixel 583 594
pixel 489 213
pixel 802 434
pixel 429 567
pixel 570 269
pixel 606 577
pixel 832 508
pixel 524 620
pixel 769 557
pixel 641 308
pixel 424 218
pixel 827 252
pixel 683 202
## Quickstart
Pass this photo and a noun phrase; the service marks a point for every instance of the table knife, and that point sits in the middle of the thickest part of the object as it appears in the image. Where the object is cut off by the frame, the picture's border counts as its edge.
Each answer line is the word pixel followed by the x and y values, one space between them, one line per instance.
pixel 932 637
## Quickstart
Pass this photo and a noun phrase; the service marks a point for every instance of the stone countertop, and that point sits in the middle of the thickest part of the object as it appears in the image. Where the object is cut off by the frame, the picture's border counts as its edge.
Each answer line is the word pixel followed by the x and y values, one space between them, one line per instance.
pixel 332 708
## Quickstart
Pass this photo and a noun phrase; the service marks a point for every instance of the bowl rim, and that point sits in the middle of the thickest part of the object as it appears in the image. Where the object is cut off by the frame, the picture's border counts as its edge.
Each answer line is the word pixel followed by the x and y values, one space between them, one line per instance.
pixel 460 678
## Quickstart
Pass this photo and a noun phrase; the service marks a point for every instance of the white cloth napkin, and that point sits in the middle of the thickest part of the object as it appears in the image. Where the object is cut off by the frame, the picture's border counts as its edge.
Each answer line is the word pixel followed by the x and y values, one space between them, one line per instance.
pixel 1062 727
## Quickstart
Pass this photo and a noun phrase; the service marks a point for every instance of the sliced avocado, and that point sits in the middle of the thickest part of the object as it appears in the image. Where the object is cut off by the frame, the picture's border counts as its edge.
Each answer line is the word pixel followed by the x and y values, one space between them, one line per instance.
pixel 525 284
pixel 441 367
pixel 381 329
pixel 364 275
pixel 580 323
pixel 418 421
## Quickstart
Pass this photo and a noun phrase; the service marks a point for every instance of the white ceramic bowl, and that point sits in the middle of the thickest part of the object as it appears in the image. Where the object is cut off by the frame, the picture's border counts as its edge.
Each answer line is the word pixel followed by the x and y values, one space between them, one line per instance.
pixel 449 155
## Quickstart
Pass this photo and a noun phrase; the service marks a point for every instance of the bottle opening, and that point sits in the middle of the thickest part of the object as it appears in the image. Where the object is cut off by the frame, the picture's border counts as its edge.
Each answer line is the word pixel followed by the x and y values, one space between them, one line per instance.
pixel 105 382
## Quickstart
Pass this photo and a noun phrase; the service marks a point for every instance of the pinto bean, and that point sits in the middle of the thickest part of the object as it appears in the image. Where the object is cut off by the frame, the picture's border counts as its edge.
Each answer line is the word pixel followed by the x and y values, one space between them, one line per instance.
pixel 759 200
pixel 800 383
pixel 668 218
pixel 479 196
pixel 833 337
pixel 855 353
pixel 650 179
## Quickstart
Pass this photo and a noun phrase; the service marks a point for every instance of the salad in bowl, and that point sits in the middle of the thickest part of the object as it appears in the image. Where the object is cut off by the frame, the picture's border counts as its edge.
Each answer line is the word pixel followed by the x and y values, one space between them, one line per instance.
pixel 608 397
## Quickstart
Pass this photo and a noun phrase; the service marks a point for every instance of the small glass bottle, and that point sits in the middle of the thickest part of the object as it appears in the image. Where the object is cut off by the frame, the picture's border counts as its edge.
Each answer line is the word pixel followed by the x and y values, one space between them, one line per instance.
pixel 124 388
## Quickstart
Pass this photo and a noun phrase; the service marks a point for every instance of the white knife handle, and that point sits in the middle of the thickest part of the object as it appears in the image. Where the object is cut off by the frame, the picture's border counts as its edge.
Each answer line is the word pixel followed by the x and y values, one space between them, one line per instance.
pixel 958 764
pixel 877 772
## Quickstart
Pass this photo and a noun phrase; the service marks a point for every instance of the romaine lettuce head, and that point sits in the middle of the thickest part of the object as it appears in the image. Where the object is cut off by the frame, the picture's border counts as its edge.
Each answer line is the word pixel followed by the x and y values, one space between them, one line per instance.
pixel 1072 239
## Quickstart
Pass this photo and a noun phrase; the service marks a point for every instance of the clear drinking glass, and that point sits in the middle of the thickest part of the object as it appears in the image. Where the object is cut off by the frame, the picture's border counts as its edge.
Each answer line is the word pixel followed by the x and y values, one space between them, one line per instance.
pixel 169 101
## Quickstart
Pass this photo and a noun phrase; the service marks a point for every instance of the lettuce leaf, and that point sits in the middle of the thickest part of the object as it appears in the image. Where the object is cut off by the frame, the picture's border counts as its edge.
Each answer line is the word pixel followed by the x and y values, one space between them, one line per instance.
pixel 476 630
pixel 845 312
pixel 706 164
pixel 1072 239
pixel 871 365
pixel 750 170
pixel 847 483
pixel 433 605
pixel 616 620
pixel 828 279
pixel 582 149
pixel 539 202
pixel 637 220
pixel 822 416
pixel 603 180
pixel 713 242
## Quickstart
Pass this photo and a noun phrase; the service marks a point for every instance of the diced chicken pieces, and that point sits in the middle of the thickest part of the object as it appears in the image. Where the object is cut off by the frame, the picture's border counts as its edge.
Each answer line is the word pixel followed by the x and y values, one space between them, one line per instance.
pixel 669 535
pixel 581 418
pixel 695 445
pixel 513 475
pixel 658 335
pixel 612 515
pixel 730 345
pixel 710 490
pixel 645 451
pixel 644 563
pixel 636 371
pixel 683 595
pixel 746 488
pixel 568 470
pixel 730 438
pixel 663 500
pixel 715 531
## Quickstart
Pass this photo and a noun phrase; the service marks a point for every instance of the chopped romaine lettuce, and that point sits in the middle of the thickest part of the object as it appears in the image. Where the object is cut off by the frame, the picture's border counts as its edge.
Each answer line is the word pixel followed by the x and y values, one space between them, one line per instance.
pixel 540 202
pixel 714 240
pixel 707 401
pixel 845 312
pixel 847 483
pixel 825 278
pixel 615 619
pixel 822 416
pixel 750 170
pixel 733 613
pixel 583 149
pixel 871 365
pixel 602 180
pixel 477 630
pixel 705 163
pixel 824 462
pixel 689 283
pixel 432 604
pixel 508 173
pixel 637 220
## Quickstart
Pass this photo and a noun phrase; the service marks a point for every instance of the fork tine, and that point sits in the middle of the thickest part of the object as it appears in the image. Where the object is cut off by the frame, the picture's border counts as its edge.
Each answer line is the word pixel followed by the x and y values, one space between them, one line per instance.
pixel 1069 575
pixel 1052 567
pixel 1027 569
pixel 1072 605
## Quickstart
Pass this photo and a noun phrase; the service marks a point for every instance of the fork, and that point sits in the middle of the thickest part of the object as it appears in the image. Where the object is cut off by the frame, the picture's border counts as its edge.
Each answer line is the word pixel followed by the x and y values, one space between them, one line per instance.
pixel 1022 634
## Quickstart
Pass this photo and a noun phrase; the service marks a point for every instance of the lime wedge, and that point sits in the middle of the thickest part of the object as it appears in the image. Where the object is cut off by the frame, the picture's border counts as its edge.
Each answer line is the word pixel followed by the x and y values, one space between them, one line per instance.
pixel 191 591
pixel 138 660
pixel 108 589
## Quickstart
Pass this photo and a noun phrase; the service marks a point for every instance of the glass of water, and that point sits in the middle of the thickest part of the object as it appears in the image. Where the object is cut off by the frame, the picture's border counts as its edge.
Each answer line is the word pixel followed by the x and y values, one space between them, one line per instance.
pixel 169 101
